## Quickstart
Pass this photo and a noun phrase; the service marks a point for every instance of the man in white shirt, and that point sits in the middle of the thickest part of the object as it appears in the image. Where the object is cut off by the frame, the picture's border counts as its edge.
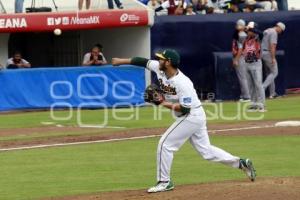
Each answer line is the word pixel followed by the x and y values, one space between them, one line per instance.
pixel 94 58
pixel 17 62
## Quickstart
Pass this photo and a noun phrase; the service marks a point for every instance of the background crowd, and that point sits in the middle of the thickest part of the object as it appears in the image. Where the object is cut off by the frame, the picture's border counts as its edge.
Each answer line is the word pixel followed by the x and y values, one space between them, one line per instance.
pixel 193 7
pixel 82 4
pixel 188 7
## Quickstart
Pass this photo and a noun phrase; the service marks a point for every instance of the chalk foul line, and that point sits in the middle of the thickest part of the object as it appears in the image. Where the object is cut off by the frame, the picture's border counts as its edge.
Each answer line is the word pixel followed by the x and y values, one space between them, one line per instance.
pixel 121 139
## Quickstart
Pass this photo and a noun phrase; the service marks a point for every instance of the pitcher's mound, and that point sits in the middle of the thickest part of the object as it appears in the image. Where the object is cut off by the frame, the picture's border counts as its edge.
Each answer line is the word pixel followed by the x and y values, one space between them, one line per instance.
pixel 261 189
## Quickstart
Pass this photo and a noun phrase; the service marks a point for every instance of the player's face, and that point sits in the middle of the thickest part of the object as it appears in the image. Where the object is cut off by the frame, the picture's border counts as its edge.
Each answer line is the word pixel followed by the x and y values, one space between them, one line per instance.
pixel 279 30
pixel 162 64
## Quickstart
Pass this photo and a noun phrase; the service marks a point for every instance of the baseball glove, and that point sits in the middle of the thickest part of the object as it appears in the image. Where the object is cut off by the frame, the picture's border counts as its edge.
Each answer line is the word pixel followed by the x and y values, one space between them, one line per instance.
pixel 153 94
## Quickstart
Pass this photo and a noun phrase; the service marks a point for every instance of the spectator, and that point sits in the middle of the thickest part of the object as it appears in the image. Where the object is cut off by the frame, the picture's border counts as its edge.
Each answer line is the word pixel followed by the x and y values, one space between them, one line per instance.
pixel 268 5
pixel 111 4
pixel 189 10
pixel 213 5
pixel 234 6
pixel 238 5
pixel 175 7
pixel 95 57
pixel 154 4
pixel 87 4
pixel 19 6
pixel 17 62
pixel 251 6
pixel 274 5
pixel 199 6
pixel 218 6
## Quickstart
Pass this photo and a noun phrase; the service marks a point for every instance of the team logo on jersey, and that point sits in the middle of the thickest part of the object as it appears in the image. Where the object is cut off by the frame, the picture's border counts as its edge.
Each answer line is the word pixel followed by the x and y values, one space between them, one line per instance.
pixel 252 50
pixel 167 89
pixel 187 100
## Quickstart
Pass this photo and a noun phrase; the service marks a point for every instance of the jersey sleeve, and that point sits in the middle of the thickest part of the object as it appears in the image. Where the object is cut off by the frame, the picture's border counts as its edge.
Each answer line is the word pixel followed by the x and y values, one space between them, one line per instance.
pixel 153 65
pixel 185 95
pixel 273 38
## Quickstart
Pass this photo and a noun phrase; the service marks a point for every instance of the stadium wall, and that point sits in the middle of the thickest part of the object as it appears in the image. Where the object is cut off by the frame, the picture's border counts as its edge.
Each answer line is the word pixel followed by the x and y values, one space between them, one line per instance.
pixel 198 37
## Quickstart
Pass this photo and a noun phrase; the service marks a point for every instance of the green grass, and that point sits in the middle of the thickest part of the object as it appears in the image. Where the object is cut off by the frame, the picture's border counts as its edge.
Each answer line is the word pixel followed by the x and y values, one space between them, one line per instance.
pixel 283 108
pixel 83 169
pixel 144 117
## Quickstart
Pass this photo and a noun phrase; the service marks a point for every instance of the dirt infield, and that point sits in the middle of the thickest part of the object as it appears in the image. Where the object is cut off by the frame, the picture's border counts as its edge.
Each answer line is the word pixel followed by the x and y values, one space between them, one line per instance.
pixel 262 189
pixel 90 134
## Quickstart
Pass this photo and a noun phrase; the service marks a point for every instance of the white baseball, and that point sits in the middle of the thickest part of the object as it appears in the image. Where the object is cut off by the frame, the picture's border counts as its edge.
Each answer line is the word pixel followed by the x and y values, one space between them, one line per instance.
pixel 57 31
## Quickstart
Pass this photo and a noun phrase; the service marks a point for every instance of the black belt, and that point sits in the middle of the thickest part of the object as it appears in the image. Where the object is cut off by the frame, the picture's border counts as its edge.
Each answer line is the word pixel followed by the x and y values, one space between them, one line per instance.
pixel 252 61
pixel 265 50
pixel 189 113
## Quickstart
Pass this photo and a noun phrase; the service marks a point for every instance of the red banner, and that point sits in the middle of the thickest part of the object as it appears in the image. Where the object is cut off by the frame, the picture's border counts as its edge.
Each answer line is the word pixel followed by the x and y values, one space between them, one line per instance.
pixel 35 22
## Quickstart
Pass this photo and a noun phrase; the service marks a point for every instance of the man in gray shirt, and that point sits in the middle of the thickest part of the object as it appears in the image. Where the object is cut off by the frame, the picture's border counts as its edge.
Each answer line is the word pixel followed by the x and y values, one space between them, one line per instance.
pixel 269 44
pixel 238 40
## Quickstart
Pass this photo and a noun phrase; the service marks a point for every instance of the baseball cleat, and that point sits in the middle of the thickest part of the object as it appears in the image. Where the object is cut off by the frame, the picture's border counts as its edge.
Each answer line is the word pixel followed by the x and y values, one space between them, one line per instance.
pixel 274 96
pixel 262 110
pixel 161 187
pixel 244 100
pixel 252 108
pixel 247 166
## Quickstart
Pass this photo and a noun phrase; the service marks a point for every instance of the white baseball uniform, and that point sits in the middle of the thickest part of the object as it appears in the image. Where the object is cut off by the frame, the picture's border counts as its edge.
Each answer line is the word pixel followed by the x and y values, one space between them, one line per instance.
pixel 192 126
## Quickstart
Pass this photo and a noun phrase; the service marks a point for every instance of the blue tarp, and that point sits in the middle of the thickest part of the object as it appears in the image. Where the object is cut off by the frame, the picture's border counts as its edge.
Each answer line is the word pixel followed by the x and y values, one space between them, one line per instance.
pixel 88 87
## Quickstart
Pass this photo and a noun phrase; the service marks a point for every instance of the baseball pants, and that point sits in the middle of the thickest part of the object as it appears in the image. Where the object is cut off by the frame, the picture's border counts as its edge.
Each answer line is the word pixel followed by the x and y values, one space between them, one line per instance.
pixel 241 74
pixel 254 79
pixel 192 128
pixel 271 72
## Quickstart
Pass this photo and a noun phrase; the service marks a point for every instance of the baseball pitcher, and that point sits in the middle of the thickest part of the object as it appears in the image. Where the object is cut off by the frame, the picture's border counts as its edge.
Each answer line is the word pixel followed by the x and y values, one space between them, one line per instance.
pixel 177 93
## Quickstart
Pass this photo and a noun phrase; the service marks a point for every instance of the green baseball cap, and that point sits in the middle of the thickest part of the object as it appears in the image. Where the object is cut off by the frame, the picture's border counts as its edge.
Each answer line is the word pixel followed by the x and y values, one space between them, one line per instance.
pixel 170 54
